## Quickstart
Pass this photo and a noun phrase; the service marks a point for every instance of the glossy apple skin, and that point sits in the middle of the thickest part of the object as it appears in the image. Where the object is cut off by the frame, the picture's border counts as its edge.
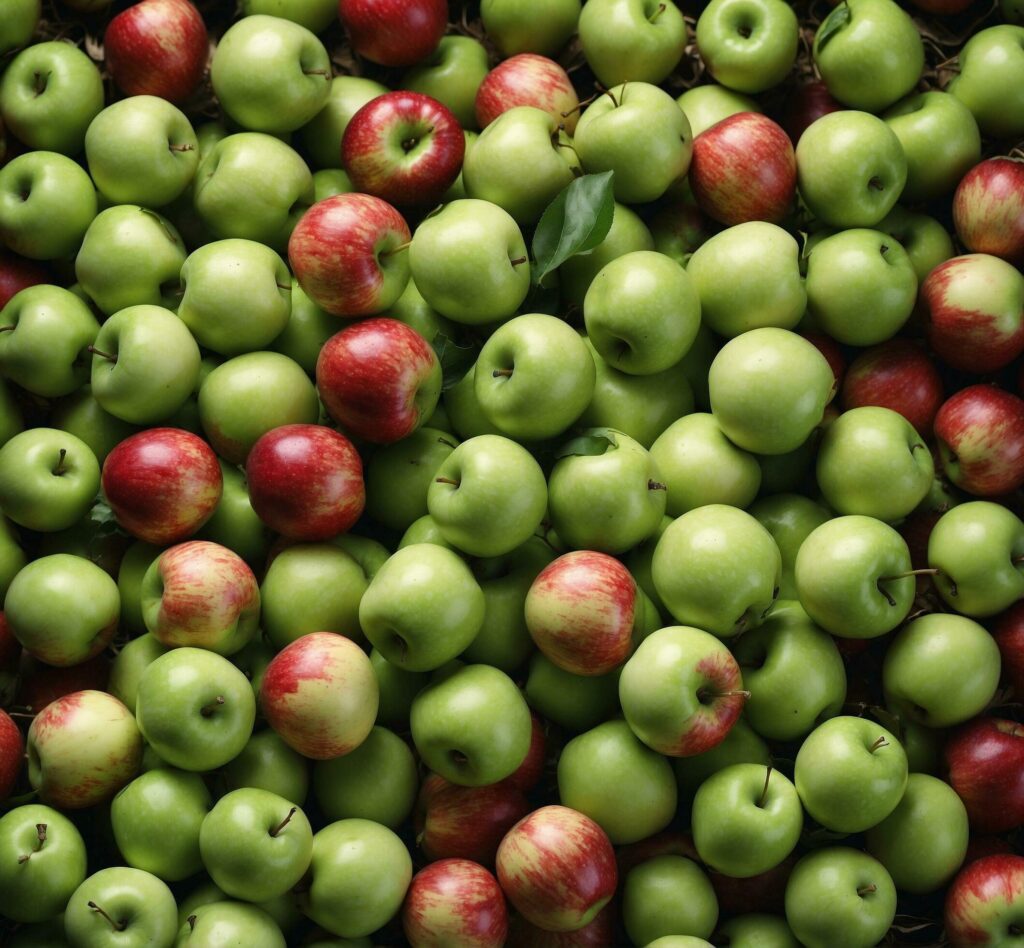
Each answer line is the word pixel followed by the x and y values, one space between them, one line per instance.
pixel 379 379
pixel 394 32
pixel 808 104
pixel 898 375
pixel 157 47
pixel 557 868
pixel 988 209
pixel 162 484
pixel 532 768
pixel 985 899
pixel 528 79
pixel 455 901
pixel 1009 635
pixel 378 141
pixel 12 750
pixel 306 482
pixel 743 169
pixel 985 758
pixel 980 432
pixel 17 274
pixel 580 610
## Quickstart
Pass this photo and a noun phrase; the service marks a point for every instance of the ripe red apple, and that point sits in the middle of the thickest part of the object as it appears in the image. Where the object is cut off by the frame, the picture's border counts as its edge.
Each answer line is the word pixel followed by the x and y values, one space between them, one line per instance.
pixel 345 252
pixel 832 352
pixel 379 379
pixel 394 32
pixel 765 892
pixel 306 481
pixel 988 209
pixel 320 694
pixel 531 769
pixel 973 307
pixel 980 434
pixel 403 147
pixel 12 750
pixel 985 902
pixel 10 648
pixel 985 758
pixel 17 274
pixel 978 847
pixel 455 902
pixel 1009 635
pixel 528 79
pixel 899 375
pixel 40 684
pixel 580 612
pixel 744 169
pixel 557 868
pixel 599 933
pixel 157 47
pixel 162 484
pixel 805 106
pixel 466 822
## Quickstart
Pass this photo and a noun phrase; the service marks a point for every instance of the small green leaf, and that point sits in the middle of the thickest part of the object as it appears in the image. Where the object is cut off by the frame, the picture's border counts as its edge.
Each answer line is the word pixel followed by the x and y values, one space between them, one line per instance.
pixel 833 23
pixel 591 444
pixel 456 359
pixel 575 222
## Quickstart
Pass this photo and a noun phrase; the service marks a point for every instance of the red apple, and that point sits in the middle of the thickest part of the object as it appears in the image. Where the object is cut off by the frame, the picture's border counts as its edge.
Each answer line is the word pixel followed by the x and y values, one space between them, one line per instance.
pixel 980 433
pixel 394 32
pixel 973 307
pixel 10 648
pixel 978 847
pixel 832 352
pixel 899 375
pixel 379 379
pixel 17 274
pixel 985 903
pixel 320 694
pixel 162 484
pixel 532 768
pixel 580 612
pixel 599 933
pixel 203 595
pixel 466 822
pixel 40 684
pixel 985 758
pixel 403 147
pixel 988 209
pixel 744 169
pixel 345 254
pixel 455 902
pixel 1009 635
pixel 528 79
pixel 761 893
pixel 681 227
pixel 805 106
pixel 557 868
pixel 12 750
pixel 665 843
pixel 157 47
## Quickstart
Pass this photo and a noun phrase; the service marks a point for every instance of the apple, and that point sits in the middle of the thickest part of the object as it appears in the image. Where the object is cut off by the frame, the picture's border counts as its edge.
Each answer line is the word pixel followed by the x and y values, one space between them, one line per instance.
pixel 574 702
pixel 748 48
pixel 628 233
pixel 983 905
pixel 988 211
pixel 985 759
pixel 17 274
pixel 517 26
pixel 316 16
pixel 808 103
pixel 707 105
pixel 631 40
pixel 532 80
pixel 790 519
pixel 231 921
pixel 24 18
pixel 926 241
pixel 458 900
pixel 394 32
pixel 323 134
pixel 1009 635
pixel 452 75
pixel 12 750
pixel 988 83
pixel 668 902
pixel 129 905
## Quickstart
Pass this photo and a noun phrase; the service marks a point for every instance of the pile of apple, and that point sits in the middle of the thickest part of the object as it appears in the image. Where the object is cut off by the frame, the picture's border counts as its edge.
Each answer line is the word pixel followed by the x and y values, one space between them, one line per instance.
pixel 447 501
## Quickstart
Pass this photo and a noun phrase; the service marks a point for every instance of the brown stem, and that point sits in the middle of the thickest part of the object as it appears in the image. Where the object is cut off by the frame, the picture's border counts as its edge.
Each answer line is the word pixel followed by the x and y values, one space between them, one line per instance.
pixel 446 442
pixel 519 261
pixel 764 791
pixel 880 742
pixel 867 890
pixel 910 572
pixel 654 16
pixel 181 147
pixel 317 72
pixel 60 469
pixel 398 249
pixel 40 837
pixel 446 480
pixel 117 926
pixel 502 373
pixel 101 353
pixel 708 693
pixel 208 710
pixel 280 826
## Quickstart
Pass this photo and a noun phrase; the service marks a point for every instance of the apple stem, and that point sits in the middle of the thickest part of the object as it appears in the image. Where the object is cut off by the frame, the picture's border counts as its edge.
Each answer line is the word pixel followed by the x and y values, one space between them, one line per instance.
pixel 181 147
pixel 117 926
pixel 502 373
pixel 764 791
pixel 519 261
pixel 654 16
pixel 656 485
pixel 446 442
pixel 317 72
pixel 280 826
pixel 7 328
pixel 398 249
pixel 207 711
pixel 706 693
pixel 101 353
pixel 608 92
pixel 1017 560
pixel 191 923
pixel 60 469
pixel 876 184
pixel 41 837
pixel 446 480
pixel 582 105
pixel 867 890
pixel 880 742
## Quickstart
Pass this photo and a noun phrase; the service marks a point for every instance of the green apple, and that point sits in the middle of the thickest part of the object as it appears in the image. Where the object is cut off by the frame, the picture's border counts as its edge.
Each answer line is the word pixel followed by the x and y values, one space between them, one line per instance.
pixel 861 286
pixel 925 240
pixel 631 40
pixel 422 608
pixel 130 662
pixel 218 923
pixel 941 670
pixel 306 331
pixel 850 165
pixel 924 840
pixel 463 408
pixel 12 420
pixel 789 518
pixel 424 529
pixel 718 569
pixel 469 262
pixel 22 19
pixel 234 523
pixel 838 897
pixel 268 763
pixel 635 130
pixel 327 182
pixel 12 556
pixel 707 105
pixel 472 725
pixel 48 479
pixel 768 390
pixel 869 55
pixel 757 930
pixel 794 673
pixel 534 377
pixel 519 26
pixel 131 570
pixel 377 781
pixel 315 15
pixel 850 774
pixel 696 365
pixel 600 769
pixel 127 907
pixel 990 82
pixel 853 577
pixel 321 136
pixel 195 709
pixel 742 745
pixel 145 364
pixel 413 310
pixel 488 497
pixel 79 414
pixel 252 186
pixel 398 688
pixel 49 93
pixel 453 72
pixel 748 45
pixel 574 702
pixel 747 277
pixel 668 895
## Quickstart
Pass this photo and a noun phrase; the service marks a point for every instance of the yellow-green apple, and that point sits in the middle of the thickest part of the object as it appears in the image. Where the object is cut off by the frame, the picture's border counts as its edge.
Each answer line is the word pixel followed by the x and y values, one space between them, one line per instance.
pixel 517 26
pixel 528 79
pixel 631 40
pixel 989 81
pixel 627 234
pixel 240 922
pixel 162 484
pixel 322 136
pixel 456 900
pixel 985 903
pixel 452 75
pixel 125 904
pixel 707 105
pixel 379 379
pixel 268 763
pixel 926 240
pixel 557 868
pixel 394 32
pixel 985 760
pixel 988 209
pixel 320 694
pixel 23 18
pixel 403 147
pixel 82 749
pixel 749 47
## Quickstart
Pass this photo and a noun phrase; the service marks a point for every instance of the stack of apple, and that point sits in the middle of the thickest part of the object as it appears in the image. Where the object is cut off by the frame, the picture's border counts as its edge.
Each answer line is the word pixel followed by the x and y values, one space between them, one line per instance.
pixel 441 511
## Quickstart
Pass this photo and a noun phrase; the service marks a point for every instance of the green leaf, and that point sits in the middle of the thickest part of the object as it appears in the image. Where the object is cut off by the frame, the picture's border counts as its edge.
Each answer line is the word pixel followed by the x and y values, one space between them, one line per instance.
pixel 456 359
pixel 833 23
pixel 588 445
pixel 575 222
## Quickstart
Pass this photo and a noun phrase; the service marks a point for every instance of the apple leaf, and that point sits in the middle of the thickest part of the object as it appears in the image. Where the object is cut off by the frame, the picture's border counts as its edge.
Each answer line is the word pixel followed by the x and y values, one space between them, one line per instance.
pixel 575 222
pixel 456 359
pixel 834 22
pixel 588 445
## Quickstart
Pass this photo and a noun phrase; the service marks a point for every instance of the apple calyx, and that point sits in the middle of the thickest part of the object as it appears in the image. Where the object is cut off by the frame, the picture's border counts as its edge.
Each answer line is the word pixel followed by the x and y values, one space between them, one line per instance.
pixel 764 791
pixel 656 485
pixel 101 353
pixel 879 743
pixel 191 923
pixel 280 826
pixel 208 710
pixel 875 184
pixel 117 926
pixel 60 468
pixel 40 82
pixel 40 837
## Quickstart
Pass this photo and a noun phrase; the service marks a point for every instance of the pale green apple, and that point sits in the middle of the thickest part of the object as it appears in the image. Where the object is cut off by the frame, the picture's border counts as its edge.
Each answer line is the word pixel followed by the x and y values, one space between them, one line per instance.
pixel 321 136
pixel 453 73
pixel 991 80
pixel 574 702
pixel 631 40
pixel 666 898
pixel 707 105
pixel 789 518
pixel 748 45
pixel 521 26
